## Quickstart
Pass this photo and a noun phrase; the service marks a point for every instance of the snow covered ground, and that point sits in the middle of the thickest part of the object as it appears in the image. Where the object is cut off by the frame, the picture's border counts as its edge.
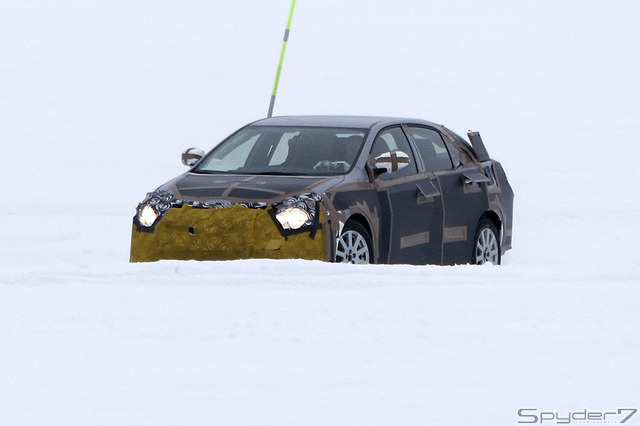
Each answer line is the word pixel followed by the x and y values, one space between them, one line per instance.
pixel 98 100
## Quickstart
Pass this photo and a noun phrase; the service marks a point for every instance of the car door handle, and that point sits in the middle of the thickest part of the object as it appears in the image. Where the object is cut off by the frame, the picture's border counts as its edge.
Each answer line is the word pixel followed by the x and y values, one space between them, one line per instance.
pixel 471 177
pixel 427 190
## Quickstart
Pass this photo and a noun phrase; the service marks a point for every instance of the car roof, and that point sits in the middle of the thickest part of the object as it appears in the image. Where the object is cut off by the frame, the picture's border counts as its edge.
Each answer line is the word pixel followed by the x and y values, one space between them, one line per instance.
pixel 348 121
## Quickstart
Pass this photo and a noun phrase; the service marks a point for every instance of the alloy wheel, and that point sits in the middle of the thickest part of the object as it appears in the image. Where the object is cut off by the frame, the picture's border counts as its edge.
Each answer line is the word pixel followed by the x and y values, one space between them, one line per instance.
pixel 352 248
pixel 487 248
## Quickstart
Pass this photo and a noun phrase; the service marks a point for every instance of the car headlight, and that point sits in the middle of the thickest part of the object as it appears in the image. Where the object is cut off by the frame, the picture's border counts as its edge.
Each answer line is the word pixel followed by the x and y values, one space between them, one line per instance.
pixel 147 216
pixel 151 210
pixel 292 218
pixel 297 214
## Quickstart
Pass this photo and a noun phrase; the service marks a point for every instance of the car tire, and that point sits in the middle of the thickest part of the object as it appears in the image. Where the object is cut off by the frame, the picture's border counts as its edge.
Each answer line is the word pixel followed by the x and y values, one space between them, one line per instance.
pixel 486 245
pixel 354 245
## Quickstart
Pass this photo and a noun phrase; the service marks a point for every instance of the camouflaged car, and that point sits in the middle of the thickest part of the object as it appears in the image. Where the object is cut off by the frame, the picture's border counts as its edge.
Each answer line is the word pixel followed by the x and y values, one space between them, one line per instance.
pixel 332 188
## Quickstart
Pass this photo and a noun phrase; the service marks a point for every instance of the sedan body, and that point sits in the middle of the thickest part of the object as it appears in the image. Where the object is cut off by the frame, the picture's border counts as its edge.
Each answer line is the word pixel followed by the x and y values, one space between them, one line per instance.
pixel 332 188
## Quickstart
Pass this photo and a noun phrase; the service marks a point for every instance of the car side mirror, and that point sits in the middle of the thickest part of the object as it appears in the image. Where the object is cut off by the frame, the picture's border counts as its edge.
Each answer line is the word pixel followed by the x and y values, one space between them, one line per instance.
pixel 191 156
pixel 390 162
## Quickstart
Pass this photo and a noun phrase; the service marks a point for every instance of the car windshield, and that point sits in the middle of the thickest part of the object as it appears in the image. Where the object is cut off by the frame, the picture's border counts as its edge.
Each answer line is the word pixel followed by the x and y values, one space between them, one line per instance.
pixel 285 151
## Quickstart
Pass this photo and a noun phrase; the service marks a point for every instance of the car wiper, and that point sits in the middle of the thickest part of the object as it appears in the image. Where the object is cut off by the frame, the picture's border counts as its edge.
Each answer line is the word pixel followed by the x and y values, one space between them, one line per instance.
pixel 275 173
pixel 246 172
pixel 207 172
pixel 218 172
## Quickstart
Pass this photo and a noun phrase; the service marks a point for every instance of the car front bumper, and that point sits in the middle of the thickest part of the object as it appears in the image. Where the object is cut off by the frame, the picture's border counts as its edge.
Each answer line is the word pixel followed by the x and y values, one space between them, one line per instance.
pixel 229 233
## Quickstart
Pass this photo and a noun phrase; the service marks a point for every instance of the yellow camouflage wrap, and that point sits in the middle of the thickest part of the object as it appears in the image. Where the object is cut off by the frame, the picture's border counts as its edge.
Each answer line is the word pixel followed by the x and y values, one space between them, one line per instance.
pixel 230 233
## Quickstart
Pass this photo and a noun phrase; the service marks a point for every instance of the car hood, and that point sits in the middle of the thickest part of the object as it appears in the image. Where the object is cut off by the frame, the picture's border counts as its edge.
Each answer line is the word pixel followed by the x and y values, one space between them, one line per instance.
pixel 250 188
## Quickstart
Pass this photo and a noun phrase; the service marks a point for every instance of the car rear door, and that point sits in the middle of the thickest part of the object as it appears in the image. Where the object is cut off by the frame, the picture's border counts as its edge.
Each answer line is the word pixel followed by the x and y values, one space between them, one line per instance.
pixel 463 187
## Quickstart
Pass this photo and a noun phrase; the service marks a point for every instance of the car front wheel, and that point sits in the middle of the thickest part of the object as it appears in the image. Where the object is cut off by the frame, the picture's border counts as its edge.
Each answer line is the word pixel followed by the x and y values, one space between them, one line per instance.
pixel 354 245
pixel 487 245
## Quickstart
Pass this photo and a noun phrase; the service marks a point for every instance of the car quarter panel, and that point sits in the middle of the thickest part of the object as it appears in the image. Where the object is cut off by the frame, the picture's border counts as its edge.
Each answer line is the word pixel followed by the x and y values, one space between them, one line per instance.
pixel 501 201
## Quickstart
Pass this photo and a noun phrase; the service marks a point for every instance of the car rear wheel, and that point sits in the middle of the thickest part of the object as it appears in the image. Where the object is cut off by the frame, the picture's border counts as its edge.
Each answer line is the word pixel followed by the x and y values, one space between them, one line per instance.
pixel 354 245
pixel 487 244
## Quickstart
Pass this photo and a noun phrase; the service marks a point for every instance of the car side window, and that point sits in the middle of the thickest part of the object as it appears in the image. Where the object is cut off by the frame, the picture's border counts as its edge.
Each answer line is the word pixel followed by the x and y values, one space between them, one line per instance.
pixel 394 139
pixel 432 149
pixel 455 155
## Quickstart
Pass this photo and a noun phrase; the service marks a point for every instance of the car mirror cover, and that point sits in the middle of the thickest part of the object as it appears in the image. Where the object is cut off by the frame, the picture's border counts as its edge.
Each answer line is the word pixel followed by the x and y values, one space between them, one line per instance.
pixel 391 162
pixel 191 156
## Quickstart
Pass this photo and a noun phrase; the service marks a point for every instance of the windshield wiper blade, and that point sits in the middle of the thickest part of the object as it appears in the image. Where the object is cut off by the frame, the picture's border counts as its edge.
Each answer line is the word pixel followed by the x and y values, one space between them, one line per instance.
pixel 207 172
pixel 246 172
pixel 275 173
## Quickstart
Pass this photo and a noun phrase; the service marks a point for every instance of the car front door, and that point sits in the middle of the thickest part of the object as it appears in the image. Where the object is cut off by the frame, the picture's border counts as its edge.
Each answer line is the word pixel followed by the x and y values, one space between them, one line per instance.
pixel 411 206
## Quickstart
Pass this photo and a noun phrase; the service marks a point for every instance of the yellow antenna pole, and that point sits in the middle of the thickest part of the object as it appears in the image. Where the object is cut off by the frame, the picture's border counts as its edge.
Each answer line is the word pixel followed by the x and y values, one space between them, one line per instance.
pixel 284 47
